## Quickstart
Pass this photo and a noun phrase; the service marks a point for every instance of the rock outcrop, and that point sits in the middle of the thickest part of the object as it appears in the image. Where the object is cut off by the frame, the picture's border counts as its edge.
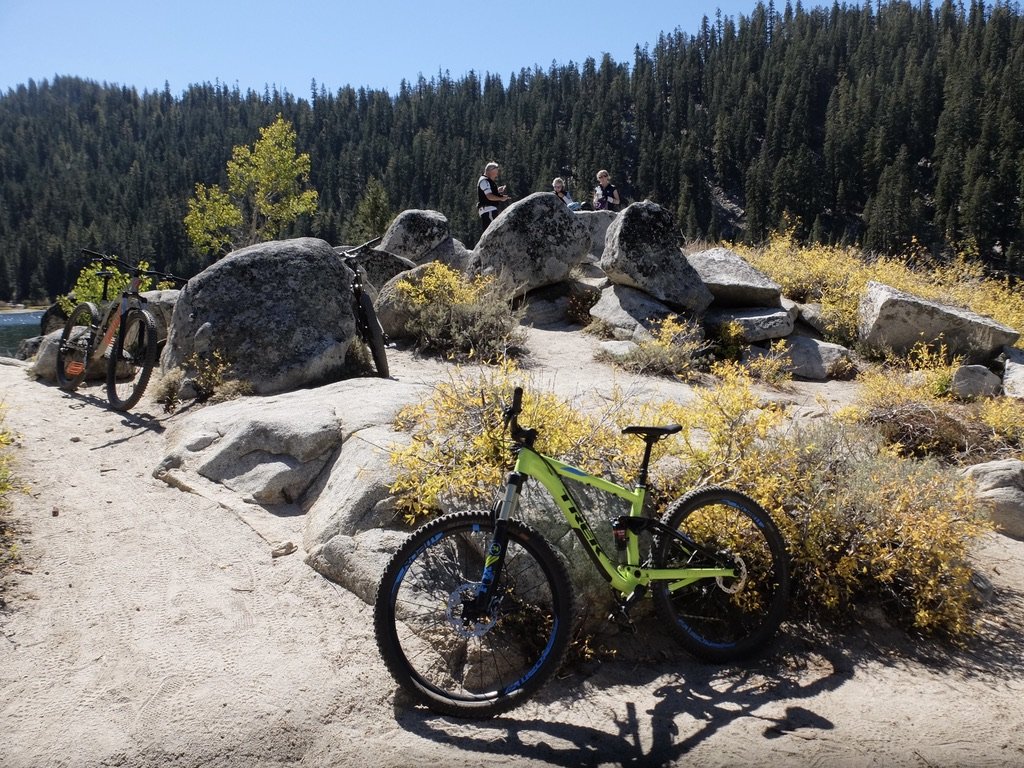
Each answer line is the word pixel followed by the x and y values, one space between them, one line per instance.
pixel 755 323
pixel 625 310
pixel 642 251
pixel 1000 484
pixel 597 224
pixel 534 242
pixel 280 314
pixel 391 312
pixel 376 266
pixel 891 319
pixel 733 281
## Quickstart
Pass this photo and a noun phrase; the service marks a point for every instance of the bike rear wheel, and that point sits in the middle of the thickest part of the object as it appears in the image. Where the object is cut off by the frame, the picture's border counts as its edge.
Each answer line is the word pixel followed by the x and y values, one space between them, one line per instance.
pixel 374 335
pixel 720 619
pixel 462 663
pixel 76 345
pixel 131 361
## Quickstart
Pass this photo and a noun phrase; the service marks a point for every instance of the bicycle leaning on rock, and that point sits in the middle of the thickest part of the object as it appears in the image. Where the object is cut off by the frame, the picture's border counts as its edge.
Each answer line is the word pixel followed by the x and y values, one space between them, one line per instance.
pixel 124 333
pixel 474 612
pixel 367 324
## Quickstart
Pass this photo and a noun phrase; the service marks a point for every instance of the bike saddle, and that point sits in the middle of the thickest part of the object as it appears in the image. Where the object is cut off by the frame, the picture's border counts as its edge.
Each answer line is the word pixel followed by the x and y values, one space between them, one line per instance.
pixel 652 433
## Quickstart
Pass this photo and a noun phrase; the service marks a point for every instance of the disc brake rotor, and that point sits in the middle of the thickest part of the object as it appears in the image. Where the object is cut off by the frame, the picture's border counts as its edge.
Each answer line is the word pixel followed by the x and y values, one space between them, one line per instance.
pixel 733 584
pixel 457 602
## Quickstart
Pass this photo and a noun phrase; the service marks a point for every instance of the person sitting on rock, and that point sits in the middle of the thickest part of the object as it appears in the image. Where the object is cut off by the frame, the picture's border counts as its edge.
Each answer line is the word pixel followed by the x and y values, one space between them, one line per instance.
pixel 489 194
pixel 606 196
pixel 558 187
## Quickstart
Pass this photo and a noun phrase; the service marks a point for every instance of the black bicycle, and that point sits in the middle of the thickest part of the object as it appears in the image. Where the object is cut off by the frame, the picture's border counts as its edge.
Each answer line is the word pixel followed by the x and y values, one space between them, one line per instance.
pixel 126 337
pixel 367 324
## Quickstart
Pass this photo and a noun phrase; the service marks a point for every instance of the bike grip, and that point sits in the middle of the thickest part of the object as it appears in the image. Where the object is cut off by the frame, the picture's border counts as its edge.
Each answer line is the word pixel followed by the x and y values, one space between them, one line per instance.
pixel 517 400
pixel 94 254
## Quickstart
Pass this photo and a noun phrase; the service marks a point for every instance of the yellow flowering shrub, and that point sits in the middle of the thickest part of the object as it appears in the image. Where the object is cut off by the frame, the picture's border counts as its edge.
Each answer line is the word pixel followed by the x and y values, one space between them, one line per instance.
pixel 862 523
pixel 911 405
pixel 459 317
pixel 675 347
pixel 837 276
pixel 9 550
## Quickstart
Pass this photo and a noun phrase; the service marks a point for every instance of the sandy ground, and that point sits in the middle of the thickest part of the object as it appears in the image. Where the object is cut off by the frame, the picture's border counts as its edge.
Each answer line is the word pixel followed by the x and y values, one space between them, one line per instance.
pixel 150 627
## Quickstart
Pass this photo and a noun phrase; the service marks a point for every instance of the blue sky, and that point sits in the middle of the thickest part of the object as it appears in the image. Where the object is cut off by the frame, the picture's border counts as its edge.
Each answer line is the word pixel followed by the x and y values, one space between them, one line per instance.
pixel 372 43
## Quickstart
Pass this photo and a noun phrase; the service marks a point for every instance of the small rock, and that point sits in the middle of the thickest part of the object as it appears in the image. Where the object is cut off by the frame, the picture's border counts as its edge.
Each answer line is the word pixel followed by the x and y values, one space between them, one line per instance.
pixel 285 548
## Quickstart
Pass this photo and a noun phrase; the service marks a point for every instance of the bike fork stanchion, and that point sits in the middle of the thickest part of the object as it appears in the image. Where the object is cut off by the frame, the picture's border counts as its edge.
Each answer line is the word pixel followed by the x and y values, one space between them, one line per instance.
pixel 494 561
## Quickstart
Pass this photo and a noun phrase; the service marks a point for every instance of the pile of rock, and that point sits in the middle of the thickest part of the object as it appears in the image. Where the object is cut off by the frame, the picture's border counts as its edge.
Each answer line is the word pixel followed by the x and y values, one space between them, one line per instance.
pixel 283 310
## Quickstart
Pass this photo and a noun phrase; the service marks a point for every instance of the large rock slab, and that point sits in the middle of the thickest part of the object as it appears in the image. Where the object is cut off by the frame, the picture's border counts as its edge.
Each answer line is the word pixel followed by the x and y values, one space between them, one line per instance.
pixel 1001 485
pixel 377 266
pixel 267 450
pixel 755 323
pixel 534 242
pixel 816 360
pixel 892 319
pixel 733 281
pixel 424 236
pixel 415 234
pixel 345 535
pixel 624 309
pixel 642 251
pixel 280 314
pixel 274 449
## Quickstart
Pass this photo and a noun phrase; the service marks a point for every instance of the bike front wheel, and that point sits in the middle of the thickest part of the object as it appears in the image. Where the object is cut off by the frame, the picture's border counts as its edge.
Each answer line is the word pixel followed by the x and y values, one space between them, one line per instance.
pixel 453 657
pixel 722 618
pixel 77 342
pixel 373 335
pixel 131 361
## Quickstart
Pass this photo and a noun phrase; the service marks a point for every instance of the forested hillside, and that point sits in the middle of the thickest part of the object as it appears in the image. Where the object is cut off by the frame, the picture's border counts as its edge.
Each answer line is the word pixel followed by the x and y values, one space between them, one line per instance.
pixel 874 124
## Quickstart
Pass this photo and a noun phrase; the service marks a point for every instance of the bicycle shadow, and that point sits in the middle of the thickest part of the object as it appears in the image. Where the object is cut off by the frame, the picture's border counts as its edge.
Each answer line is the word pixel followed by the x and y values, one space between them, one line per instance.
pixel 694 701
pixel 687 711
pixel 139 421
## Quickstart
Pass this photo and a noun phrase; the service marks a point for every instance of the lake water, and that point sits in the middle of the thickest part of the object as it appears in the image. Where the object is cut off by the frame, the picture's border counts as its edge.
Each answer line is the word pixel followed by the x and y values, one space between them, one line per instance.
pixel 16 326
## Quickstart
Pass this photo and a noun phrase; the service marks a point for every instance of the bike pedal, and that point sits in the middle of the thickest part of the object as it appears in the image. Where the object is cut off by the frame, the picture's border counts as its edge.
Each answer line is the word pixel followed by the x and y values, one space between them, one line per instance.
pixel 621 619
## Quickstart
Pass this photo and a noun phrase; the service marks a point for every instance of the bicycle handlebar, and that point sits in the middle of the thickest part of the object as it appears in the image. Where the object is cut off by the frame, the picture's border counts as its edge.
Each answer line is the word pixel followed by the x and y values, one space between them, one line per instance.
pixel 104 258
pixel 352 252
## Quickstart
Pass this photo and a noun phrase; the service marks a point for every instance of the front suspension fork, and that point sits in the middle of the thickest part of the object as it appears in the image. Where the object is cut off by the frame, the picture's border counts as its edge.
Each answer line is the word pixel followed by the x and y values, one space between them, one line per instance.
pixel 494 561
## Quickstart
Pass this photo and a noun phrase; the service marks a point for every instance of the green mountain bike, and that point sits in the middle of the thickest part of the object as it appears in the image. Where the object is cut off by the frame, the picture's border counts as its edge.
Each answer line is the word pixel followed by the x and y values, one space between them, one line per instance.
pixel 474 612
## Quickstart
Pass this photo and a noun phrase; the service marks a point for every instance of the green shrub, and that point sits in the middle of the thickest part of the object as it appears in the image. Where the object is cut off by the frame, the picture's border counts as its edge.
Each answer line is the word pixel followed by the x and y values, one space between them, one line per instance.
pixel 210 376
pixel 89 286
pixel 460 318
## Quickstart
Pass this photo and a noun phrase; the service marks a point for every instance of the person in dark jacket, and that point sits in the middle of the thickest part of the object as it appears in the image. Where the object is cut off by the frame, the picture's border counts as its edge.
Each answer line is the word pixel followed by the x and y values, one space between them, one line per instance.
pixel 606 196
pixel 489 195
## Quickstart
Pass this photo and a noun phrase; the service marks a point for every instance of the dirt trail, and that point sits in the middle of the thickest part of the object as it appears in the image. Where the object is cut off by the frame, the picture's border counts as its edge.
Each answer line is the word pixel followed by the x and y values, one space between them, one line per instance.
pixel 148 626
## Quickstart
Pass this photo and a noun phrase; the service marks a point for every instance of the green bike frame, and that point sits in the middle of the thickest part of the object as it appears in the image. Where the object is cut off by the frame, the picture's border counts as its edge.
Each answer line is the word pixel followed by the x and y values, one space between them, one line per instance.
pixel 623 578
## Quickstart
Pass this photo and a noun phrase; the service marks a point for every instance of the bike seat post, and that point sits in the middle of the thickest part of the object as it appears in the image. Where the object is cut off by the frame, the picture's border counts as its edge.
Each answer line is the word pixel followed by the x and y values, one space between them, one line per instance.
pixel 649 442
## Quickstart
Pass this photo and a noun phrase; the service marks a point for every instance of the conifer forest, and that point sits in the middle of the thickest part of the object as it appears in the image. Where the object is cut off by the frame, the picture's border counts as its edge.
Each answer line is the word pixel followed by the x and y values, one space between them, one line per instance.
pixel 897 127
